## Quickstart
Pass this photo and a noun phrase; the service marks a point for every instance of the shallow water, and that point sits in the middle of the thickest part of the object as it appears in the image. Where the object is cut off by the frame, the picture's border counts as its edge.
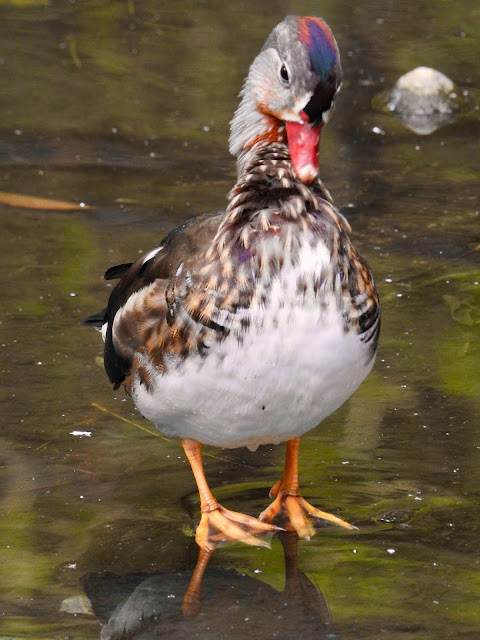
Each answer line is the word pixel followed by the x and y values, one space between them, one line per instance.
pixel 125 106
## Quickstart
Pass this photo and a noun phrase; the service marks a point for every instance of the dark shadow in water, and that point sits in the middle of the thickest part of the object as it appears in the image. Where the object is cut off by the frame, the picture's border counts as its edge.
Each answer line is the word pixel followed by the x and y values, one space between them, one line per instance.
pixel 217 603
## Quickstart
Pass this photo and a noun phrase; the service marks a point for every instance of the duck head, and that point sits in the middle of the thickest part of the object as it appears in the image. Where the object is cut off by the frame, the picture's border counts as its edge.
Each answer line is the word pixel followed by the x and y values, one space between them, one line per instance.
pixel 289 94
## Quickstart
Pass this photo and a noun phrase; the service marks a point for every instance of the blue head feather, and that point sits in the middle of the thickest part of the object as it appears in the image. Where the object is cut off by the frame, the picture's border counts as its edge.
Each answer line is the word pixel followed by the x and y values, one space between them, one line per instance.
pixel 321 44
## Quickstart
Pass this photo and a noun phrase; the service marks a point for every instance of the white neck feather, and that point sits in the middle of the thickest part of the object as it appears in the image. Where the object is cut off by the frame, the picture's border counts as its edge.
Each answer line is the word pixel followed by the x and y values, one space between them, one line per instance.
pixel 249 124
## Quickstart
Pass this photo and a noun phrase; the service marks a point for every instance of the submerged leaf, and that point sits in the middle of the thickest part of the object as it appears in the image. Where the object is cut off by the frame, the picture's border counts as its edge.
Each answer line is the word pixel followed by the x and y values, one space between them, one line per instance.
pixel 32 202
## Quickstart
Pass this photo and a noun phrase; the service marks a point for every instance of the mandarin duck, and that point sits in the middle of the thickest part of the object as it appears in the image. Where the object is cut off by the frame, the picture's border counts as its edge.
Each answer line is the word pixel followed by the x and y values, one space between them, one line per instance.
pixel 250 326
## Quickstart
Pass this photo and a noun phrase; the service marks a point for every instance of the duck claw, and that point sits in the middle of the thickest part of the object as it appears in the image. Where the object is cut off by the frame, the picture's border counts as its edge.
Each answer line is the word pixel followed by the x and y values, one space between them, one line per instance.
pixel 222 525
pixel 298 513
pixel 324 515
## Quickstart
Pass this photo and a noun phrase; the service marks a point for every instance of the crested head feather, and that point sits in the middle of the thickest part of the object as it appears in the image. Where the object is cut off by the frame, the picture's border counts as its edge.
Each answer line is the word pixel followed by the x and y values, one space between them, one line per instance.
pixel 322 48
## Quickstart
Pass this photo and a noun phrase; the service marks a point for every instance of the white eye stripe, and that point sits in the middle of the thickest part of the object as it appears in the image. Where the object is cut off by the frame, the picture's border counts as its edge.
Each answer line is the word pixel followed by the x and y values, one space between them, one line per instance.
pixel 151 254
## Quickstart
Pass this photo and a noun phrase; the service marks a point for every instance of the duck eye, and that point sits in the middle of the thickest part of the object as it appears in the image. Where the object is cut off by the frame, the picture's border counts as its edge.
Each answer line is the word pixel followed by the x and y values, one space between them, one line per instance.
pixel 284 73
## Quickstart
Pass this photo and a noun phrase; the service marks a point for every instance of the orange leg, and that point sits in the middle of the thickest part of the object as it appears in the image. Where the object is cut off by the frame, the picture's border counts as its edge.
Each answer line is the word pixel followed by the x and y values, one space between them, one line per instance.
pixel 289 503
pixel 218 524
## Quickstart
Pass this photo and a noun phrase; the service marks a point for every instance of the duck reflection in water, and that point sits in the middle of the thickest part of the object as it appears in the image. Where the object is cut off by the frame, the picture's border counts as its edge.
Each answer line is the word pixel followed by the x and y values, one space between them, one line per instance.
pixel 218 603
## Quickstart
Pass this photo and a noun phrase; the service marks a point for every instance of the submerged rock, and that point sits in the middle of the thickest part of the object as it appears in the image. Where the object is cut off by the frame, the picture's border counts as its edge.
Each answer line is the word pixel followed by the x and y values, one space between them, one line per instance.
pixel 77 604
pixel 423 91
pixel 424 100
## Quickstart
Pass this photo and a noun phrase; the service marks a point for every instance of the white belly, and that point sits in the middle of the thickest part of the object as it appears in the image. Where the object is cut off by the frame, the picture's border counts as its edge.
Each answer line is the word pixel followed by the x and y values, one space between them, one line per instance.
pixel 288 375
